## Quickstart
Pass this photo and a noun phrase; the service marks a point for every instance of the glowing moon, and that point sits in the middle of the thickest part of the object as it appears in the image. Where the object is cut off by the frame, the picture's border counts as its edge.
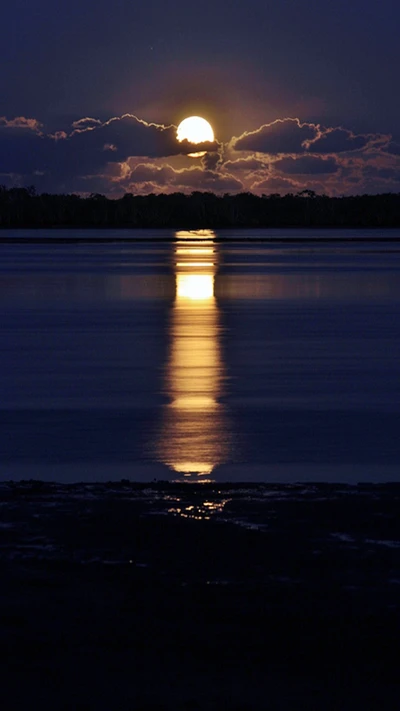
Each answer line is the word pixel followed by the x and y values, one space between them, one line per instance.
pixel 195 130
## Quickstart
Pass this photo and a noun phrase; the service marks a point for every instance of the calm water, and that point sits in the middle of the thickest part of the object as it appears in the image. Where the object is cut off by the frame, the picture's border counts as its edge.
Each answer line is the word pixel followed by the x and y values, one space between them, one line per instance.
pixel 201 355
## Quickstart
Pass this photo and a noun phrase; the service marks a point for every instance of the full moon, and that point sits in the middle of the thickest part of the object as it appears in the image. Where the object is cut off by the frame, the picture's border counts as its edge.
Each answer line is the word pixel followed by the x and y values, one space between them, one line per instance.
pixel 195 130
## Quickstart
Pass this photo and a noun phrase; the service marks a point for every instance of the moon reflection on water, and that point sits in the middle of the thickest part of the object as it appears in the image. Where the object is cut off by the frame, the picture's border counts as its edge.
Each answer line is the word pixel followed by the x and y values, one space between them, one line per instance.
pixel 194 435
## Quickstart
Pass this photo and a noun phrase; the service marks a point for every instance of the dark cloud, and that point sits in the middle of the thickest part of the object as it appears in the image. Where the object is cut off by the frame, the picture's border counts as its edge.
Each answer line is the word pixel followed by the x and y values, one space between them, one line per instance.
pixel 306 165
pixel 275 185
pixel 128 153
pixel 338 140
pixel 83 150
pixel 211 161
pixel 130 135
pixel 145 172
pixel 189 179
pixel 86 150
pixel 393 148
pixel 207 180
pixel 185 147
pixel 290 136
pixel 354 179
pixel 384 173
pixel 251 164
pixel 23 151
pixel 287 135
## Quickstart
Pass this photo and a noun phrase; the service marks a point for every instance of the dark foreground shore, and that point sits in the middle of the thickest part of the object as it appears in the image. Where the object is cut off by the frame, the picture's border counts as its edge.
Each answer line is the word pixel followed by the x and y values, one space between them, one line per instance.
pixel 124 596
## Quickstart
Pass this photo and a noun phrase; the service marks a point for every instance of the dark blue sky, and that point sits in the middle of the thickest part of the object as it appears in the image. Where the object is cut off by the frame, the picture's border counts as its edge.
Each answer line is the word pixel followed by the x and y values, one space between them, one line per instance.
pixel 240 63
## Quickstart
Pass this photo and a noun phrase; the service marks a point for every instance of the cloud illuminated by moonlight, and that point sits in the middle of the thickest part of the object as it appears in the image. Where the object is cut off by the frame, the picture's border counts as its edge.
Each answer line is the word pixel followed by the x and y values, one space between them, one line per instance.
pixel 127 153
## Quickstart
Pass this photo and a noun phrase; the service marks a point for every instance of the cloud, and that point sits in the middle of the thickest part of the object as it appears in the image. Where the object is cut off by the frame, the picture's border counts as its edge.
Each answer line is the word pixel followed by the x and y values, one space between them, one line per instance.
pixel 384 173
pixel 211 161
pixel 21 122
pixel 275 185
pixel 86 150
pixel 286 135
pixel 393 148
pixel 338 140
pixel 306 165
pixel 22 150
pixel 85 123
pixel 188 179
pixel 185 147
pixel 207 180
pixel 128 153
pixel 146 172
pixel 58 135
pixel 248 164
pixel 130 135
pixel 133 136
pixel 291 136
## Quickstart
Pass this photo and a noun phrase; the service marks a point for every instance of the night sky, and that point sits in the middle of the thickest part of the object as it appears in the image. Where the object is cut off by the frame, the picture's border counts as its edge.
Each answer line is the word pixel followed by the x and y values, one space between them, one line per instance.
pixel 300 95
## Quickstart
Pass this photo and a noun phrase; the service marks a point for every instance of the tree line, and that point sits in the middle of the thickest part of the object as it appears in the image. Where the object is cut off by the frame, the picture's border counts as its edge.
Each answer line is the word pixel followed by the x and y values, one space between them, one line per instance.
pixel 23 207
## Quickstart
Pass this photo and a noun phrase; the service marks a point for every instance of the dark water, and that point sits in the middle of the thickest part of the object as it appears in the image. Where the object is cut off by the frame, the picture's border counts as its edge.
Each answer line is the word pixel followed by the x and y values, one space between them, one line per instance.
pixel 231 356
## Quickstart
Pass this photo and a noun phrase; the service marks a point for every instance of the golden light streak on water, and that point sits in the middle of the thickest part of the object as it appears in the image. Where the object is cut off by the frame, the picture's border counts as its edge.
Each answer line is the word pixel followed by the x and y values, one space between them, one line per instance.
pixel 188 251
pixel 193 438
pixel 194 287
pixel 194 265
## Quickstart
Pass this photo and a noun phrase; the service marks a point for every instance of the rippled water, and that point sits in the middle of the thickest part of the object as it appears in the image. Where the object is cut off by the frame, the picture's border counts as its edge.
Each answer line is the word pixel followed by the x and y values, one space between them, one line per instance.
pixel 228 356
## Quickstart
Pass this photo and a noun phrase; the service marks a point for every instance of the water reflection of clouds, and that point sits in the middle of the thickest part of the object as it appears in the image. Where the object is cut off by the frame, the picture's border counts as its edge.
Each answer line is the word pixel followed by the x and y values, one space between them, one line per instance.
pixel 194 434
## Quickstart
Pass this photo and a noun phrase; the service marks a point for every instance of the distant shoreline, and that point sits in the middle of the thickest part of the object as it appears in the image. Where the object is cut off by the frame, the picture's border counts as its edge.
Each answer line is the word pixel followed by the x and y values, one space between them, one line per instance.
pixel 217 240
pixel 24 208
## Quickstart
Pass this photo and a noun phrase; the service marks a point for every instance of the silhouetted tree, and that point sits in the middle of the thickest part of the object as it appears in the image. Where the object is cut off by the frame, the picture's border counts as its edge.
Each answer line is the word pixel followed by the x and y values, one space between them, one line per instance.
pixel 23 207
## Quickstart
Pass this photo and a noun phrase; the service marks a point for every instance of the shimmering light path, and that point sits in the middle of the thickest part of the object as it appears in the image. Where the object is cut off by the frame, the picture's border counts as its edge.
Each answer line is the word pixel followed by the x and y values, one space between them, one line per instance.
pixel 194 436
pixel 236 356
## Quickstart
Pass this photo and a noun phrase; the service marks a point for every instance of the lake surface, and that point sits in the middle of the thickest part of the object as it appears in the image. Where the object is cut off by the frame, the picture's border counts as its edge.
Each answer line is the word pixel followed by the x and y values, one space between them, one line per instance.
pixel 254 356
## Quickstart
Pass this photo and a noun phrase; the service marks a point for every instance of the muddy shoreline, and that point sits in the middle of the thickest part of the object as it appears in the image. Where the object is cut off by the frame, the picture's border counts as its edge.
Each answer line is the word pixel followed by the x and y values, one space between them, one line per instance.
pixel 171 596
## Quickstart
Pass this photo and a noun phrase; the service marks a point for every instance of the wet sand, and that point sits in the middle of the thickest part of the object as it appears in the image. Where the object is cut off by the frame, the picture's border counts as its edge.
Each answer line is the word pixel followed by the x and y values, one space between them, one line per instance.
pixel 166 596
